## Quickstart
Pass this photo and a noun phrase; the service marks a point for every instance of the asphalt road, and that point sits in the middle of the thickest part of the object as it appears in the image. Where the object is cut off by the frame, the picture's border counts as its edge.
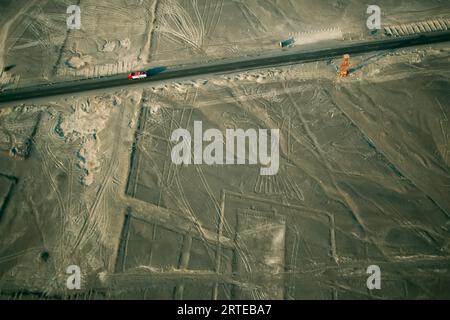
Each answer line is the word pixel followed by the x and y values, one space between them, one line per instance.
pixel 224 66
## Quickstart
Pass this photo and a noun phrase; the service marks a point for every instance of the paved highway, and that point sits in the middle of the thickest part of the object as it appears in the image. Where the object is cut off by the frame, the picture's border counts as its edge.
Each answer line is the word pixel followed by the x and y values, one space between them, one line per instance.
pixel 225 66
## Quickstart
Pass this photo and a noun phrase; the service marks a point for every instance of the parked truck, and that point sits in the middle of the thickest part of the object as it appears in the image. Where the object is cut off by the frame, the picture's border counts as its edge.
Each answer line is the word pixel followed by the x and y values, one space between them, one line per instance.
pixel 287 43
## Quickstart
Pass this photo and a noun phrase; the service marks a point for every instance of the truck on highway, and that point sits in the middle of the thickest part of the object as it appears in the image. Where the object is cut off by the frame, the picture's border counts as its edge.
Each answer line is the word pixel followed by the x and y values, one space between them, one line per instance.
pixel 145 74
pixel 137 75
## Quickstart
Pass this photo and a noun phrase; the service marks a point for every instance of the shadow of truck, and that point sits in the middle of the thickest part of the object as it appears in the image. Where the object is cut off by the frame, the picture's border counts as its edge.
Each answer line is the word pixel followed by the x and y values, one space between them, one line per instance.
pixel 155 71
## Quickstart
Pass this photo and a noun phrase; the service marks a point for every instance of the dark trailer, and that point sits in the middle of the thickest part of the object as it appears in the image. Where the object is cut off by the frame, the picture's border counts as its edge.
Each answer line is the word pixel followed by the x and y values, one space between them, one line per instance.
pixel 287 43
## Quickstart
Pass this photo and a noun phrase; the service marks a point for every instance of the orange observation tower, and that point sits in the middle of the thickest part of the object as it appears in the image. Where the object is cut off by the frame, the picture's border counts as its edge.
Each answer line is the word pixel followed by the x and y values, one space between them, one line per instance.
pixel 344 70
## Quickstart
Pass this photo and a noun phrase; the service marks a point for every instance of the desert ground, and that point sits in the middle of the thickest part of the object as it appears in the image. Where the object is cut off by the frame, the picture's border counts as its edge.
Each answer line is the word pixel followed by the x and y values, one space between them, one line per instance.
pixel 88 180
